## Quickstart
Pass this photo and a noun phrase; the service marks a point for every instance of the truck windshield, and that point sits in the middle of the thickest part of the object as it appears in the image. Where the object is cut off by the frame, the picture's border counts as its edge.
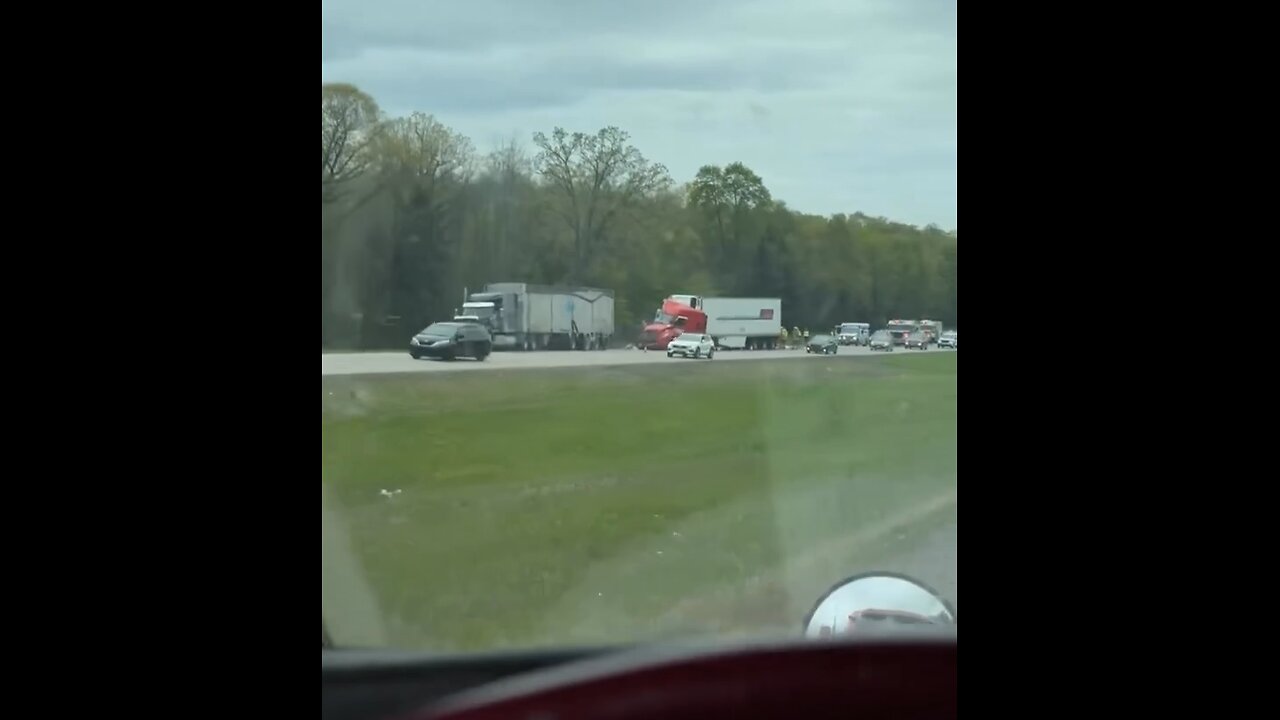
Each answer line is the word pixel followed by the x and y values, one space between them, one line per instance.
pixel 664 318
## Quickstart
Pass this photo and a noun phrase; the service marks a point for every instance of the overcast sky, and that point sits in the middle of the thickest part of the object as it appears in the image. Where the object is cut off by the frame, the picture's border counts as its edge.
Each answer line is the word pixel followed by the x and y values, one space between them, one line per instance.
pixel 840 105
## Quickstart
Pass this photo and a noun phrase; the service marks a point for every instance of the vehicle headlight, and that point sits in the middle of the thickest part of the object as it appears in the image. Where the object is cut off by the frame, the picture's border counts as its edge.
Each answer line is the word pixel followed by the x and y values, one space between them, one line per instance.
pixel 413 340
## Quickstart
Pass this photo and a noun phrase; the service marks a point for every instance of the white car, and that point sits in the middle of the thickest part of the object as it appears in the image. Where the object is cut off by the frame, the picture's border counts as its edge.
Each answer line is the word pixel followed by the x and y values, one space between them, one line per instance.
pixel 694 345
pixel 950 339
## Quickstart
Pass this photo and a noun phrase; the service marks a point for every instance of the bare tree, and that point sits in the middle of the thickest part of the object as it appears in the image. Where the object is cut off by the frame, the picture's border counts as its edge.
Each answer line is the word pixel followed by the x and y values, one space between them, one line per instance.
pixel 596 177
pixel 508 168
pixel 423 166
pixel 348 123
pixel 423 158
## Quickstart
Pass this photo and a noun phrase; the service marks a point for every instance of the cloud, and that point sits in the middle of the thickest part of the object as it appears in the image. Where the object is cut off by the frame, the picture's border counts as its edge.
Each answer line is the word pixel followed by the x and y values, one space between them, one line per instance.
pixel 841 105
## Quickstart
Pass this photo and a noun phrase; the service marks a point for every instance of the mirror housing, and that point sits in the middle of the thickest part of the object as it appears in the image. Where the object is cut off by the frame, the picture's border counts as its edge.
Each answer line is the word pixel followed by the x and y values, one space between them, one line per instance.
pixel 878 603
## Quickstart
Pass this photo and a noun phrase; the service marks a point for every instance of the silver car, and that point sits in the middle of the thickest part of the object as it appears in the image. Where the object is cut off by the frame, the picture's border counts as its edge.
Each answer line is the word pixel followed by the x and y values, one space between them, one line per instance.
pixel 949 339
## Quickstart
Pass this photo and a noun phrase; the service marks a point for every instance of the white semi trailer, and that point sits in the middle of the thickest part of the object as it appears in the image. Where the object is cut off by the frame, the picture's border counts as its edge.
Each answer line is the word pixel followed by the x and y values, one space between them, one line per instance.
pixel 523 316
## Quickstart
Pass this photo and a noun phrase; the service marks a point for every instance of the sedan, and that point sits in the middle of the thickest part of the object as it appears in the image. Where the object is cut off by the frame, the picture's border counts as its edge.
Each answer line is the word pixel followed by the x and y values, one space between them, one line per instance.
pixel 822 345
pixel 918 339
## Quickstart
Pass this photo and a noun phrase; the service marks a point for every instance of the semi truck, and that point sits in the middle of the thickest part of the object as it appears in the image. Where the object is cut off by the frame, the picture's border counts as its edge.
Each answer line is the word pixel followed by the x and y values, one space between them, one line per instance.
pixel 524 316
pixel 732 323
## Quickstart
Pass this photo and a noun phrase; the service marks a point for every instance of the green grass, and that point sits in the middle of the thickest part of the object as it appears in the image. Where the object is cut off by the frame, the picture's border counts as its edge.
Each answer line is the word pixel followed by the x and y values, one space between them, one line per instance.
pixel 607 504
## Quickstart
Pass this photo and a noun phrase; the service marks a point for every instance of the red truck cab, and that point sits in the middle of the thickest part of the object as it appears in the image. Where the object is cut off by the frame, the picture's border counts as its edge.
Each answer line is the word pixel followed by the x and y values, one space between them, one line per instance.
pixel 678 314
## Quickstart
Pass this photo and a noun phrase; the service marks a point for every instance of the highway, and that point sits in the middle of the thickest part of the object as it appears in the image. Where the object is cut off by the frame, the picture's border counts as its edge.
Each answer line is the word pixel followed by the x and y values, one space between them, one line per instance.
pixel 370 363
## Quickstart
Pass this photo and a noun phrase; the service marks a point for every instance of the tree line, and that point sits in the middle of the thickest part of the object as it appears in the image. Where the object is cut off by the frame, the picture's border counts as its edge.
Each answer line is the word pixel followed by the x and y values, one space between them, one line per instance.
pixel 412 214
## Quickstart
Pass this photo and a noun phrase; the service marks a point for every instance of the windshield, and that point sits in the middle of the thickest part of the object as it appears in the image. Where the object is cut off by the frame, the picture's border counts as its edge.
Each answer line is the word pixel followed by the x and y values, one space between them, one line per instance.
pixel 850 329
pixel 557 478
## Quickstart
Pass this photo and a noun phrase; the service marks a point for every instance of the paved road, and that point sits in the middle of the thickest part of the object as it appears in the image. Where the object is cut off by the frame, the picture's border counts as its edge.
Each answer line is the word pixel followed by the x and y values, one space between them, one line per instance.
pixel 400 362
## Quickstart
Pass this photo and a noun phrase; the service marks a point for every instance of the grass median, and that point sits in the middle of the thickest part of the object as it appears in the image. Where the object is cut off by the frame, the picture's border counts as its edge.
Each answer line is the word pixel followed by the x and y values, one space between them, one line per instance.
pixel 601 504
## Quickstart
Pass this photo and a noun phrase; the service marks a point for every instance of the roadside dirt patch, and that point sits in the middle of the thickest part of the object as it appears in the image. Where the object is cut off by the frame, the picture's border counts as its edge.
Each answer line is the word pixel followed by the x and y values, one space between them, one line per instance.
pixel 778 599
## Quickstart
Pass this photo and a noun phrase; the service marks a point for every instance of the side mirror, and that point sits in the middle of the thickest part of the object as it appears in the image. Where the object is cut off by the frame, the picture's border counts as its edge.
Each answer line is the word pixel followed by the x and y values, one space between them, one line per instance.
pixel 877 603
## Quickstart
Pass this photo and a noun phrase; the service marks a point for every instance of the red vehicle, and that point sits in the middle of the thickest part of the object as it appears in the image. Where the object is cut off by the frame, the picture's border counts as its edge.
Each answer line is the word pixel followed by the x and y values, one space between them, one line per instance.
pixel 750 323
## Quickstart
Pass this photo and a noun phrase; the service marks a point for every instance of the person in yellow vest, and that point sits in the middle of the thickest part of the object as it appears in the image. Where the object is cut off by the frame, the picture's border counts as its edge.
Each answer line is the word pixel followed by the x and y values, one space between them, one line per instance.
pixel 795 336
pixel 782 337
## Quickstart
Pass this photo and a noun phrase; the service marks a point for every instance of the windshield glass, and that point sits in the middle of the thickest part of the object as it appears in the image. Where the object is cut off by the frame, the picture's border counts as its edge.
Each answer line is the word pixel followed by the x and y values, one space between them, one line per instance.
pixel 557 478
